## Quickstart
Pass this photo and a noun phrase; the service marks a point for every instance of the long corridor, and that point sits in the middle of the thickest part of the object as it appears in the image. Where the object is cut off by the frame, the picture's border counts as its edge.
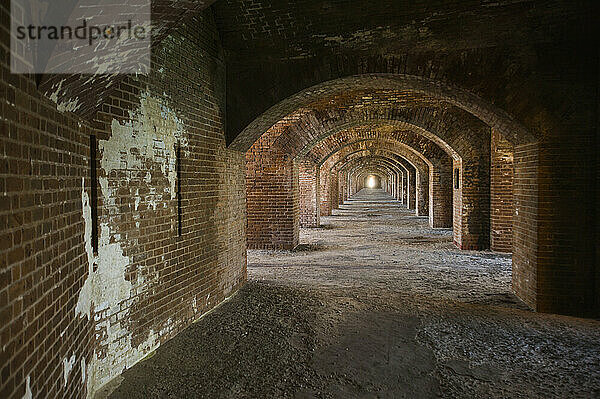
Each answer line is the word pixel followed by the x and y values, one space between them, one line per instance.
pixel 374 304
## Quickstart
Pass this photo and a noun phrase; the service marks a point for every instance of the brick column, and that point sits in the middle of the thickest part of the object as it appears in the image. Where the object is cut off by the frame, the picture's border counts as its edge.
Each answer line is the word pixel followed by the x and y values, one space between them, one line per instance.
pixel 440 194
pixel 309 203
pixel 554 266
pixel 272 199
pixel 324 194
pixel 422 199
pixel 501 190
pixel 525 224
pixel 472 204
pixel 334 191
pixel 411 183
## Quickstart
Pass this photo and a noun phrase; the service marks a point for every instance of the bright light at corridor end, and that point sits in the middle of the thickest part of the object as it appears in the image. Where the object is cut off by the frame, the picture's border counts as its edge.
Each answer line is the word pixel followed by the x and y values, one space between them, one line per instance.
pixel 372 182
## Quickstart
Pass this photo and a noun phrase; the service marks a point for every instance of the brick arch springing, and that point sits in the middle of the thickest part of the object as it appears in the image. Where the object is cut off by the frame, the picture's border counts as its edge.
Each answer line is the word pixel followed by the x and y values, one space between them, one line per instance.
pixel 492 116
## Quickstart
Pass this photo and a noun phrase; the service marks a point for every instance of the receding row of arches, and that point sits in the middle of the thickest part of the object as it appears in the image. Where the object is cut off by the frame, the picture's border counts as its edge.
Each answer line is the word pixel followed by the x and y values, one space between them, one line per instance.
pixel 443 152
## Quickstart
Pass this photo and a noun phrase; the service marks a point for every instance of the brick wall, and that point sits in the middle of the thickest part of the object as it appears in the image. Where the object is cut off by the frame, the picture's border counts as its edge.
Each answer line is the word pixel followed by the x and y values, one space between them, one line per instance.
pixel 334 191
pixel 475 205
pixel 43 172
pixel 342 188
pixel 457 201
pixel 411 191
pixel 422 195
pixel 565 263
pixel 501 193
pixel 169 212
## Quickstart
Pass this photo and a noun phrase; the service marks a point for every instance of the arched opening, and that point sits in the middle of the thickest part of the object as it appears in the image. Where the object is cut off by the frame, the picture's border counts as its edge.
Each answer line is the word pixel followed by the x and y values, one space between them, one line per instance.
pixel 448 128
pixel 373 181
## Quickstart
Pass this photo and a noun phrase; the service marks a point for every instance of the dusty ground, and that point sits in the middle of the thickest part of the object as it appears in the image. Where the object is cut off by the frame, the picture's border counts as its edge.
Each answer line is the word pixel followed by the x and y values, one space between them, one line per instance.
pixel 374 305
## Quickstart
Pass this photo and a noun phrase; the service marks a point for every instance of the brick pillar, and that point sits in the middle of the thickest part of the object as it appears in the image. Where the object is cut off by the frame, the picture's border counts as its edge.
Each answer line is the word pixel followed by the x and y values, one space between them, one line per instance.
pixel 501 191
pixel 472 204
pixel 554 266
pixel 324 194
pixel 411 183
pixel 440 194
pixel 422 205
pixel 342 188
pixel 334 190
pixel 525 224
pixel 309 203
pixel 403 190
pixel 272 198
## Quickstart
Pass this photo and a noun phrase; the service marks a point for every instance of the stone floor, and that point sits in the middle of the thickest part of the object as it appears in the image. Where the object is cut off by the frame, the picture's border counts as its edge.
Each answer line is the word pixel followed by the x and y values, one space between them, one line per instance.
pixel 374 304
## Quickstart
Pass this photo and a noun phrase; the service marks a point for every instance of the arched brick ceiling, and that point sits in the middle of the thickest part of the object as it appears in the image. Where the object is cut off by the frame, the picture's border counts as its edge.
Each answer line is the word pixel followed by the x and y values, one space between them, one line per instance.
pixel 398 155
pixel 363 166
pixel 362 169
pixel 278 52
pixel 455 130
pixel 397 151
pixel 90 91
pixel 284 29
pixel 420 88
pixel 381 135
pixel 452 128
pixel 355 162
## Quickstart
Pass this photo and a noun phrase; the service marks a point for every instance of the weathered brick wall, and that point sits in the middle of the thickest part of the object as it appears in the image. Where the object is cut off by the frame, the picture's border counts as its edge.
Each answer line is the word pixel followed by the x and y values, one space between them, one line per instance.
pixel 272 191
pixel 501 191
pixel 525 226
pixel 411 192
pixel 422 195
pixel 475 205
pixel 566 269
pixel 342 188
pixel 308 189
pixel 402 187
pixel 457 201
pixel 43 172
pixel 171 204
pixel 334 191
pixel 171 233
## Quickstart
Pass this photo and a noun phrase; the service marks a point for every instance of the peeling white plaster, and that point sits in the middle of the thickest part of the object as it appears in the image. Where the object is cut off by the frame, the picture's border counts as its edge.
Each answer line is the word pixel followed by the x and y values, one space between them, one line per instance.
pixel 67 367
pixel 28 393
pixel 121 355
pixel 151 133
pixel 71 105
pixel 82 365
pixel 195 305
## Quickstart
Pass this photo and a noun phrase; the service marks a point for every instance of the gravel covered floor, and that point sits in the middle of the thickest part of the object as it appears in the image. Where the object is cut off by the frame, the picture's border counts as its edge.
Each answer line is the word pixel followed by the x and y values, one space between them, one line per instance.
pixel 374 304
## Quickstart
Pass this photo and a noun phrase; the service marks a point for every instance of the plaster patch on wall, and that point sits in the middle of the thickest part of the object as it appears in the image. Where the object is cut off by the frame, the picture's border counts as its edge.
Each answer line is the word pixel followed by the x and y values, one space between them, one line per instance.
pixel 71 105
pixel 82 365
pixel 67 367
pixel 153 132
pixel 147 140
pixel 28 393
pixel 84 300
pixel 121 354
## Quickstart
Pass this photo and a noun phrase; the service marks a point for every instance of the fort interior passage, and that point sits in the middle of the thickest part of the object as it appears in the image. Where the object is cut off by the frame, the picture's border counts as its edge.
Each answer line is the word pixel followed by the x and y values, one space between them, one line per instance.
pixel 312 199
